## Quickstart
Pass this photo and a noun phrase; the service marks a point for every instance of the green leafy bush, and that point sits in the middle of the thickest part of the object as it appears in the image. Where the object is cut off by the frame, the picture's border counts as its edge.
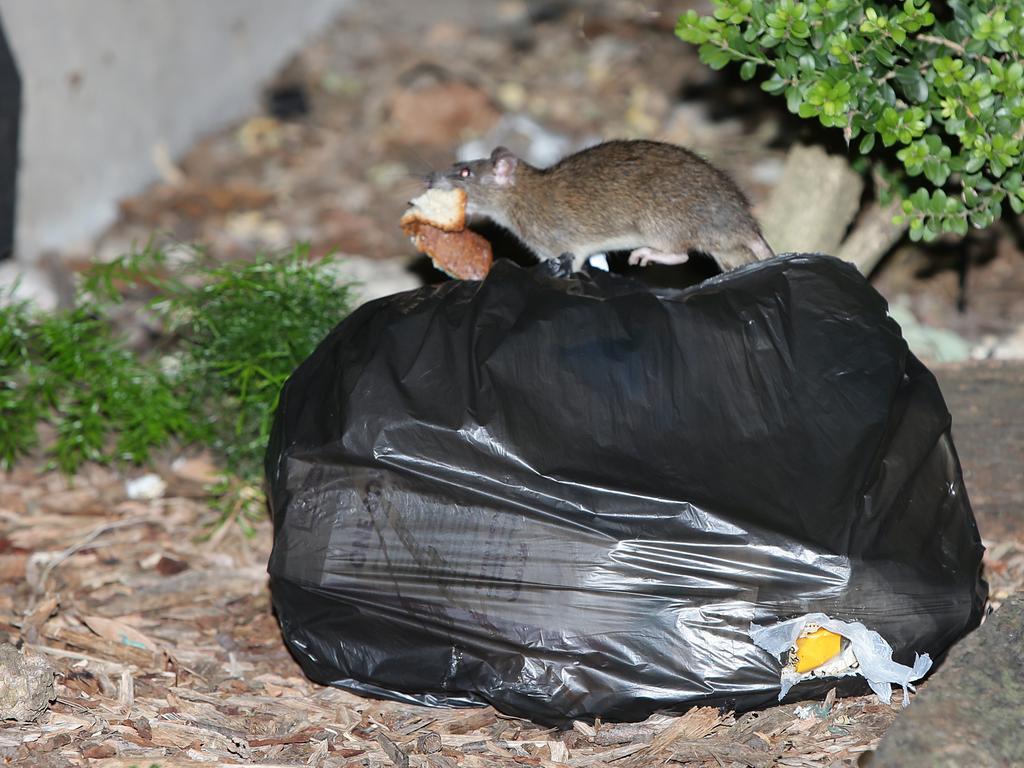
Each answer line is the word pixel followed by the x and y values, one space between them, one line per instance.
pixel 233 334
pixel 943 89
pixel 68 369
pixel 239 329
pixel 245 330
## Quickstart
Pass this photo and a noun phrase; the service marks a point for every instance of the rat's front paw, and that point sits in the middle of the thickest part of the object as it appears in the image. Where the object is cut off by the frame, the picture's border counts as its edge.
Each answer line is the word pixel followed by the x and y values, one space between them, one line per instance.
pixel 642 257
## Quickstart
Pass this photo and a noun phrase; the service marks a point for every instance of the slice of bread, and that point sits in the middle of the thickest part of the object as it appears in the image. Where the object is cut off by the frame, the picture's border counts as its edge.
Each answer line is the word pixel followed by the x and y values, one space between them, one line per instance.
pixel 436 222
pixel 441 208
pixel 464 255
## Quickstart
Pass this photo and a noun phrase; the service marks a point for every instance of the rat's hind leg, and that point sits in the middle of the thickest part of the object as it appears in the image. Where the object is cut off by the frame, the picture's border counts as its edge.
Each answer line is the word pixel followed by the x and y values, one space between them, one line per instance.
pixel 733 255
pixel 644 256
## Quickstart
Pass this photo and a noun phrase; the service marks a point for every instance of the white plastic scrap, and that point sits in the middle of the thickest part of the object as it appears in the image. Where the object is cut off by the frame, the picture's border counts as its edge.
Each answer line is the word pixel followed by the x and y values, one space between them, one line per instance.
pixel 146 487
pixel 869 655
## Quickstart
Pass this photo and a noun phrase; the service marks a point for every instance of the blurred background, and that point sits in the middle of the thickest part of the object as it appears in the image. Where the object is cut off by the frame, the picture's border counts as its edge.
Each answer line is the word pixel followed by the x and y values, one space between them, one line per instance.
pixel 247 125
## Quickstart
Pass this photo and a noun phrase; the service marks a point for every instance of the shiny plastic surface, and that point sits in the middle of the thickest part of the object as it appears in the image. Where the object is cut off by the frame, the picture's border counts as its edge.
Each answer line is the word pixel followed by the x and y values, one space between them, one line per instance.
pixel 571 496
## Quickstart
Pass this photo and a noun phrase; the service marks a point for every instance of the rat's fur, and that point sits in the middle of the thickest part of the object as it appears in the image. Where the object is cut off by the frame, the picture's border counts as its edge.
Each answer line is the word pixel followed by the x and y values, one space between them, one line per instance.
pixel 657 199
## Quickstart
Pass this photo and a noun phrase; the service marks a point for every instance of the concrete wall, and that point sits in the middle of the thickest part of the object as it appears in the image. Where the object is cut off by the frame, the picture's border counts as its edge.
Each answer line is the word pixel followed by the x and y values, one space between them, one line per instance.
pixel 105 81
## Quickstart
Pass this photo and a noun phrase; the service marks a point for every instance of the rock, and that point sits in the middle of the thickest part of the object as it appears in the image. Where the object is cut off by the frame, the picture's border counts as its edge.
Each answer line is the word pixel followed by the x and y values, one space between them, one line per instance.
pixel 931 344
pixel 26 685
pixel 814 202
pixel 971 711
pixel 1009 347
pixel 438 113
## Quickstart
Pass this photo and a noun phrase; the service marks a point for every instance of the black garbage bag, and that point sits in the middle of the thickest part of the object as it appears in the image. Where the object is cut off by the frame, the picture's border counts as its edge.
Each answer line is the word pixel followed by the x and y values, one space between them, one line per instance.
pixel 571 496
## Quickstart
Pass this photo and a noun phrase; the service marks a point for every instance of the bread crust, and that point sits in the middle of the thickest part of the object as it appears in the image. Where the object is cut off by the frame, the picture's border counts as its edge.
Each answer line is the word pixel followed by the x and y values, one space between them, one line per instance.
pixel 464 255
pixel 436 223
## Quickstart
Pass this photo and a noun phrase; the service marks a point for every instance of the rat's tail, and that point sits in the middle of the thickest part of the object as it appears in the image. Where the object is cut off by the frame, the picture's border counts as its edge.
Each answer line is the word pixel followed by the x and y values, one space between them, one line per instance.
pixel 760 248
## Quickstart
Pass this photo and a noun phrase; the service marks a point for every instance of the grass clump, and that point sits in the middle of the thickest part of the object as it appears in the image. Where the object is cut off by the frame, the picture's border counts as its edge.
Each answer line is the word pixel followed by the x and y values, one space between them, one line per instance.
pixel 67 369
pixel 238 330
pixel 231 335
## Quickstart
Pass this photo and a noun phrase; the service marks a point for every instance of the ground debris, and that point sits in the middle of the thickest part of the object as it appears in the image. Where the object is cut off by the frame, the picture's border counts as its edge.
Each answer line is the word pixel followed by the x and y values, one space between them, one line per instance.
pixel 171 664
pixel 26 684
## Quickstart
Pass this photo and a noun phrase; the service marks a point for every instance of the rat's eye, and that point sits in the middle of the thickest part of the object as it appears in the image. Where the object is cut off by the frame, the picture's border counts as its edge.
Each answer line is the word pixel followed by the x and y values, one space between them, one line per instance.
pixel 465 173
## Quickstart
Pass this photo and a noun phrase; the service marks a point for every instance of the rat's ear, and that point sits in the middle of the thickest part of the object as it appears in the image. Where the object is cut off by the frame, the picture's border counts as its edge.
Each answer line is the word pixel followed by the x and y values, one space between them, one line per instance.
pixel 504 166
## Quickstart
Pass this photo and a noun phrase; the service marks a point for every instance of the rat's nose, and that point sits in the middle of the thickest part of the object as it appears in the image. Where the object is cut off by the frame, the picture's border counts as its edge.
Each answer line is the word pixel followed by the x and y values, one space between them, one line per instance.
pixel 437 180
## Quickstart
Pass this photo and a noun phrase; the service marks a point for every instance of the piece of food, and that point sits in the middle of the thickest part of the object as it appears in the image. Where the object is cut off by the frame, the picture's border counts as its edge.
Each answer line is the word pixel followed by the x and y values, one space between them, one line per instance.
pixel 436 222
pixel 465 255
pixel 441 208
pixel 815 648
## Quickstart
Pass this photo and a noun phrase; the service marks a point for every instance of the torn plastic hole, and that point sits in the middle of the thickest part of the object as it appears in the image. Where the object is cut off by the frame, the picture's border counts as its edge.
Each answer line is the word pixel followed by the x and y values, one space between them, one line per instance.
pixel 815 645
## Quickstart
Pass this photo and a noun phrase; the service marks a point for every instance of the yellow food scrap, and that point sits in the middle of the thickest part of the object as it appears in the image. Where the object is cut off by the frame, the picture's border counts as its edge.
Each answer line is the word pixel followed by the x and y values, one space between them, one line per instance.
pixel 815 649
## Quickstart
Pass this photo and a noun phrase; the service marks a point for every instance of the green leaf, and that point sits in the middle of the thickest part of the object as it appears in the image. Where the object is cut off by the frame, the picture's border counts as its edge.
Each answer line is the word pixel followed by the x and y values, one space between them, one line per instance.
pixel 774 84
pixel 885 57
pixel 936 171
pixel 688 28
pixel 793 99
pixel 974 163
pixel 949 116
pixel 913 84
pixel 713 56
pixel 807 110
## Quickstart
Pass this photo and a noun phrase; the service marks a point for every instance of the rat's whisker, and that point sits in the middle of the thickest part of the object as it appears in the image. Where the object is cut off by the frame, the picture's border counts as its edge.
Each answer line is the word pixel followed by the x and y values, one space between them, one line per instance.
pixel 421 160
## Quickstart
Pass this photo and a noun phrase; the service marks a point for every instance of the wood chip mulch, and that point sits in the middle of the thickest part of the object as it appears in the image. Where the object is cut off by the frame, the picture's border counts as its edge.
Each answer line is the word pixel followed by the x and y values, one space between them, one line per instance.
pixel 166 652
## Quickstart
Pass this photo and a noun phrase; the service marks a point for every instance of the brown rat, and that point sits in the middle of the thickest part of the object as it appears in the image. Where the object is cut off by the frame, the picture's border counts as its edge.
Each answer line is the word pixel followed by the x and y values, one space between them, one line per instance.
pixel 658 200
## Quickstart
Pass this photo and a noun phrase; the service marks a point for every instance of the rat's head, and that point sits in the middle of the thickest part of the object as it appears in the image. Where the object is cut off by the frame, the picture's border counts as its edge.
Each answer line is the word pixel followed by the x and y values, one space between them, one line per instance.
pixel 488 182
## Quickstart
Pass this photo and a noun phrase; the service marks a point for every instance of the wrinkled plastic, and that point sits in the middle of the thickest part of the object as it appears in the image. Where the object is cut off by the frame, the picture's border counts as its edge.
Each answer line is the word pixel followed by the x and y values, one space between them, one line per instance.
pixel 571 496
pixel 871 654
